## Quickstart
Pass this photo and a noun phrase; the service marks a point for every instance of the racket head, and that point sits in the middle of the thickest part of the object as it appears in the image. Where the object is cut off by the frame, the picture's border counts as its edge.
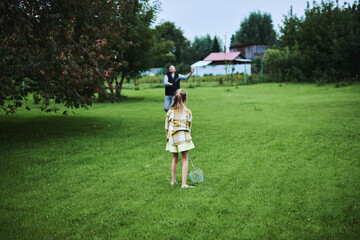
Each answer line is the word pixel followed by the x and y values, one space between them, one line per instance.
pixel 196 175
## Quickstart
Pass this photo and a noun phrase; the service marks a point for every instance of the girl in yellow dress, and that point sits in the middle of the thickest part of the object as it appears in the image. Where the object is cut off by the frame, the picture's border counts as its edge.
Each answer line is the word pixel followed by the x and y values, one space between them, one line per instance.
pixel 177 130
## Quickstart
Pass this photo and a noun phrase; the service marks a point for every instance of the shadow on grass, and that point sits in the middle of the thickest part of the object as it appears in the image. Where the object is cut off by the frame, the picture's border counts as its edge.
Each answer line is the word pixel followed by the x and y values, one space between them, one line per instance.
pixel 17 130
pixel 123 100
pixel 147 99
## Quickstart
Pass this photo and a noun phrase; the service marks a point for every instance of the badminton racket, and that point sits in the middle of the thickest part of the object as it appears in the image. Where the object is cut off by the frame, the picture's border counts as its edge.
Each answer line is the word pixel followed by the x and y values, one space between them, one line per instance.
pixel 196 174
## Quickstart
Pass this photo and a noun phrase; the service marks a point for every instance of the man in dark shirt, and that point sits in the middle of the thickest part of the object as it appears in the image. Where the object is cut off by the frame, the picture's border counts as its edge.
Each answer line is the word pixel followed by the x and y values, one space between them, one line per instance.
pixel 172 83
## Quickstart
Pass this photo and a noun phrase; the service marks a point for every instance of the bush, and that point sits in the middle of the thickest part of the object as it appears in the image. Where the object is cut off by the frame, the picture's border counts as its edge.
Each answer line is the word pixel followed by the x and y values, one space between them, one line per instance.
pixel 210 80
pixel 256 65
pixel 183 68
pixel 36 98
pixel 283 65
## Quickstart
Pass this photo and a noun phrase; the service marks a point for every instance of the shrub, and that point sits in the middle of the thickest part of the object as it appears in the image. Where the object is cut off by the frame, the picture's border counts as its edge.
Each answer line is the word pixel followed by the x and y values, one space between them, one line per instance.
pixel 36 98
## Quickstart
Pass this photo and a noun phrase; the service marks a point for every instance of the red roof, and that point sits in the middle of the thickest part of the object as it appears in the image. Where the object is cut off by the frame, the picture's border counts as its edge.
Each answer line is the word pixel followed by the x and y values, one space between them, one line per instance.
pixel 220 56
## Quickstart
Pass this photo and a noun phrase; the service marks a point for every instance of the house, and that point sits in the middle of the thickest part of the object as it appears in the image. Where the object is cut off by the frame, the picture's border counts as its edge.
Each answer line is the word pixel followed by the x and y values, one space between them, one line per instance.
pixel 220 63
pixel 249 51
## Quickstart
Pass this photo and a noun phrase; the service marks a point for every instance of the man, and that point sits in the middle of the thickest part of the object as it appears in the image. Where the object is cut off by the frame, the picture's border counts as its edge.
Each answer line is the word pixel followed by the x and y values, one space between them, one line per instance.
pixel 172 83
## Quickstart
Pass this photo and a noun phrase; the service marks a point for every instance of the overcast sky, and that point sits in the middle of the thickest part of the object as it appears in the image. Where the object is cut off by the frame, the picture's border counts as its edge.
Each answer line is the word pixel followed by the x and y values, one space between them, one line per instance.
pixel 223 17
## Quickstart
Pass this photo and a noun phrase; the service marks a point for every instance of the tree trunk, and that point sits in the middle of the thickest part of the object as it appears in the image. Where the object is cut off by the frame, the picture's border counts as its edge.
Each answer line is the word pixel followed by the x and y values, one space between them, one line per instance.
pixel 111 89
pixel 102 95
pixel 118 87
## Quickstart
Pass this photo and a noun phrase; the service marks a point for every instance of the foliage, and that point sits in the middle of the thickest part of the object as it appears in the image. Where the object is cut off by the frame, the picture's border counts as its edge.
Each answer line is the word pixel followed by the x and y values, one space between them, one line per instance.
pixel 167 31
pixel 144 49
pixel 66 50
pixel 200 48
pixel 55 49
pixel 324 45
pixel 288 151
pixel 256 65
pixel 216 45
pixel 282 64
pixel 255 29
pixel 210 80
pixel 182 68
pixel 183 52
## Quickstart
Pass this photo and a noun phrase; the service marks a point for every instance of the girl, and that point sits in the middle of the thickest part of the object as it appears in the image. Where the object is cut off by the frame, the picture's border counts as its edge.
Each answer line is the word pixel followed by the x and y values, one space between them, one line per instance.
pixel 177 130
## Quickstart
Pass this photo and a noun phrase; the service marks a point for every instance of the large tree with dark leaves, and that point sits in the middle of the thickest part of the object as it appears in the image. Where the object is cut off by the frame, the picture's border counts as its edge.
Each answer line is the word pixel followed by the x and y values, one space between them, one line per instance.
pixel 63 51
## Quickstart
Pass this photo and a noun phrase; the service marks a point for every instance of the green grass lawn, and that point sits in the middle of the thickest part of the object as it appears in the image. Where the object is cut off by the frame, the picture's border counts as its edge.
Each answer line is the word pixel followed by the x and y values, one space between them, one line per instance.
pixel 279 163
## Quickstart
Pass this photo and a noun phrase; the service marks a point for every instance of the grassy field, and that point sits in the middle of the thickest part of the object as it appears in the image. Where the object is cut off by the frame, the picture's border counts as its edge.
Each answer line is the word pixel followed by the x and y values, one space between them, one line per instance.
pixel 279 163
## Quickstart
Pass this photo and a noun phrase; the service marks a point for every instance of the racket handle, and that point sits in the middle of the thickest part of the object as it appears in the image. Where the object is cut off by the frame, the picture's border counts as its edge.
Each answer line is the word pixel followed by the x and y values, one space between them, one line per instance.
pixel 191 161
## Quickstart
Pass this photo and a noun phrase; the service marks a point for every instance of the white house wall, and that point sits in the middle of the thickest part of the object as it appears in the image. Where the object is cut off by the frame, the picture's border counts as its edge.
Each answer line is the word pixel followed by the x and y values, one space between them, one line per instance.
pixel 221 69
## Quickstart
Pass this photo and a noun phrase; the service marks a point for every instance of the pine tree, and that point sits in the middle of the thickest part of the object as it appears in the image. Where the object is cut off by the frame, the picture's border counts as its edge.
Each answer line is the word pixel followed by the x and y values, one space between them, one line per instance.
pixel 216 45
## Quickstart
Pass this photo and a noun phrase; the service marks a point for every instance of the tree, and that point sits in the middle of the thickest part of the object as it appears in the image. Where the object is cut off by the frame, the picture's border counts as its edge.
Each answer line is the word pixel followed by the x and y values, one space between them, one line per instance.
pixel 216 45
pixel 282 64
pixel 183 52
pixel 256 29
pixel 55 50
pixel 289 30
pixel 328 38
pixel 199 49
pixel 66 50
pixel 168 31
pixel 143 48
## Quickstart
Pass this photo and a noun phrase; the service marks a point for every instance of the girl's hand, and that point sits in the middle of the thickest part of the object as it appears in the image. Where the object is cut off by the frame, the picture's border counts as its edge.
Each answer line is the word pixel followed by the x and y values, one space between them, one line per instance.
pixel 192 70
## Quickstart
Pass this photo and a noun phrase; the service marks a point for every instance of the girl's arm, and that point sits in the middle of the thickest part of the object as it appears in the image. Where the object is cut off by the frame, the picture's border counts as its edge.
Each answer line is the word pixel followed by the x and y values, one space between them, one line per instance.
pixel 190 119
pixel 167 125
